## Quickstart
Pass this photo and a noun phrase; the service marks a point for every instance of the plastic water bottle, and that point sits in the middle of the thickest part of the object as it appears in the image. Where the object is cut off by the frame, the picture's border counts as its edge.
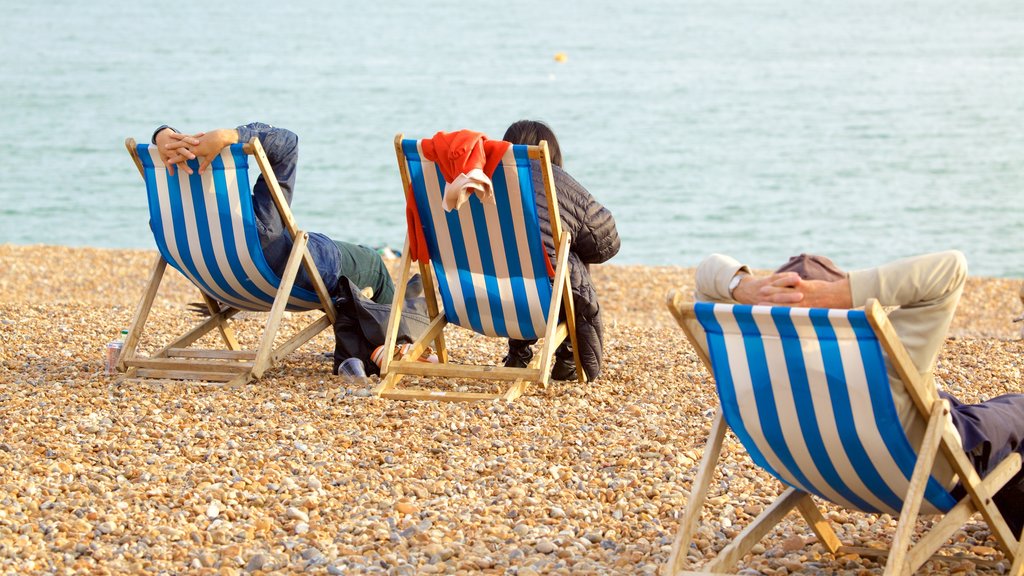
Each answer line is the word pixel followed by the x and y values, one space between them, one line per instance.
pixel 114 353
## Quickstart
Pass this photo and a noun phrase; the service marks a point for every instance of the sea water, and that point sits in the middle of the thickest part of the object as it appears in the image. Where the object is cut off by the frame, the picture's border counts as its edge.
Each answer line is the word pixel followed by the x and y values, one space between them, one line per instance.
pixel 861 129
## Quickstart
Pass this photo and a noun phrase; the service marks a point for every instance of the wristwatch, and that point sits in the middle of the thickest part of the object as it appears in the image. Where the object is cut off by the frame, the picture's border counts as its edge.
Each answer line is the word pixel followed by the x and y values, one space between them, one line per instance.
pixel 735 282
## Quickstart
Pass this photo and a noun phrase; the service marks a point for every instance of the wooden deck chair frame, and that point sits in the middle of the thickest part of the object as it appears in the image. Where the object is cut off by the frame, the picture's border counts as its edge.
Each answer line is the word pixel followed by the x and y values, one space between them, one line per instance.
pixel 941 440
pixel 392 371
pixel 233 365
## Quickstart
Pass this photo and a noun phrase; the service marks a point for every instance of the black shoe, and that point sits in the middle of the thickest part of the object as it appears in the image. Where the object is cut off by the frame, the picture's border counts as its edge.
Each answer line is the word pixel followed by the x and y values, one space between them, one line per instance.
pixel 519 354
pixel 564 367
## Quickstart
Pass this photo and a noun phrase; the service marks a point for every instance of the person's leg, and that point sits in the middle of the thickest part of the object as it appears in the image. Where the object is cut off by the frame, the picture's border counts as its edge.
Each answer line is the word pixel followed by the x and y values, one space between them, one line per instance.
pixel 564 366
pixel 365 267
pixel 519 353
pixel 991 431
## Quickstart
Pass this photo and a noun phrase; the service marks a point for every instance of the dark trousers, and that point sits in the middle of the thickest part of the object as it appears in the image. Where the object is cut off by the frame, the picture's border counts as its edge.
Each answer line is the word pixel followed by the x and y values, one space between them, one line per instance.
pixel 364 267
pixel 991 431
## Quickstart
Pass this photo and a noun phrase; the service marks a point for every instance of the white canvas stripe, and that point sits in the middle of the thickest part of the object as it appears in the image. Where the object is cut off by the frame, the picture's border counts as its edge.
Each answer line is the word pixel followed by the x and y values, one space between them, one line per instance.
pixel 217 235
pixel 166 223
pixel 860 400
pixel 743 388
pixel 536 307
pixel 252 272
pixel 195 244
pixel 786 406
pixel 826 418
pixel 508 308
pixel 473 249
pixel 434 195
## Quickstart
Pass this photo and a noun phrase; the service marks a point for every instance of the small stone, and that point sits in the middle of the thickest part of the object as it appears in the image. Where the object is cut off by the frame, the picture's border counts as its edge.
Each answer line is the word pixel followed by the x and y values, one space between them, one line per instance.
pixel 255 563
pixel 545 546
pixel 213 510
pixel 406 507
pixel 792 544
pixel 297 514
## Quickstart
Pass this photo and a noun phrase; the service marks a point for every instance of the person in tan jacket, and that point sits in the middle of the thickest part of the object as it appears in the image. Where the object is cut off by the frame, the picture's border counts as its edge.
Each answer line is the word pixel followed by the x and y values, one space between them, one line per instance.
pixel 925 291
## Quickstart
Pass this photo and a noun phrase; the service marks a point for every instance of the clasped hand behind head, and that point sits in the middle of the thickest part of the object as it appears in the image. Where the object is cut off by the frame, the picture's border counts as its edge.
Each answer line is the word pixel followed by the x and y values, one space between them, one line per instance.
pixel 788 289
pixel 177 149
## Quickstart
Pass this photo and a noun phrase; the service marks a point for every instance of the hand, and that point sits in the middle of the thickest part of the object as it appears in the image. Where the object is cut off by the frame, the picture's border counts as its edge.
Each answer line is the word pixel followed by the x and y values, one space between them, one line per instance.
pixel 174 149
pixel 788 289
pixel 208 145
pixel 777 289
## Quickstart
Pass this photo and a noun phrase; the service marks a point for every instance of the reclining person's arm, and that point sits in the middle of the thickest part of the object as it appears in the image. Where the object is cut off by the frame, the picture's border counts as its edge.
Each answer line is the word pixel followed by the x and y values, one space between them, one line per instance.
pixel 282 149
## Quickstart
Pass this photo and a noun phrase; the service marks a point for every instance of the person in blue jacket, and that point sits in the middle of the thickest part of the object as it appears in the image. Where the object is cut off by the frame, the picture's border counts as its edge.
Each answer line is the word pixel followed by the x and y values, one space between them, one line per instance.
pixel 334 259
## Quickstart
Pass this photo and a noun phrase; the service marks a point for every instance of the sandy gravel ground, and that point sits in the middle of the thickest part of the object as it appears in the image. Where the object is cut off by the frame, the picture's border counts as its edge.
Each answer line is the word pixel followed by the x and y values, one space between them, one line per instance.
pixel 301 473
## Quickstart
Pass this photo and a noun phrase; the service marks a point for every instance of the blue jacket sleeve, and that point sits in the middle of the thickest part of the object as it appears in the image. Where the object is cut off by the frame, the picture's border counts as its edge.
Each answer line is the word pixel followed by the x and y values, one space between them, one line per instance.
pixel 282 148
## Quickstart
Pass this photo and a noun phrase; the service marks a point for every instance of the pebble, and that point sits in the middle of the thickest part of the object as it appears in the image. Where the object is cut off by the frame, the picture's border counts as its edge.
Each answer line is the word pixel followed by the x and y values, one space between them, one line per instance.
pixel 290 474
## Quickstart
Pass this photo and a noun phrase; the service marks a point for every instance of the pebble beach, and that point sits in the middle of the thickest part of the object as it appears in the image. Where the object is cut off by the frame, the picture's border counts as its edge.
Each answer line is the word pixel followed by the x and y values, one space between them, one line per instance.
pixel 303 471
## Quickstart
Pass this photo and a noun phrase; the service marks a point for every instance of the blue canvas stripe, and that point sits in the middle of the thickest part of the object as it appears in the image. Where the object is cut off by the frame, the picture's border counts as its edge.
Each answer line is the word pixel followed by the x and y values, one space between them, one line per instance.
pixel 206 243
pixel 515 271
pixel 155 216
pixel 419 190
pixel 764 397
pixel 538 258
pixel 227 226
pixel 719 355
pixel 886 418
pixel 483 244
pixel 254 247
pixel 181 234
pixel 462 267
pixel 843 410
pixel 806 413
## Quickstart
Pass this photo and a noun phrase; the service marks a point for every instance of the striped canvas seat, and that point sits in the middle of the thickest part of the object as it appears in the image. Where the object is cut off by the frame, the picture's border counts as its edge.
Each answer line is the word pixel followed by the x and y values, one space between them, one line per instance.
pixel 488 258
pixel 488 263
pixel 806 392
pixel 204 226
pixel 808 395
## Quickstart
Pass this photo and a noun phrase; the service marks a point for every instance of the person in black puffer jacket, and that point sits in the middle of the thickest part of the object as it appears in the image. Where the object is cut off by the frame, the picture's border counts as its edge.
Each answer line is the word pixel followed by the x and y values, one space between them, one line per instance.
pixel 593 240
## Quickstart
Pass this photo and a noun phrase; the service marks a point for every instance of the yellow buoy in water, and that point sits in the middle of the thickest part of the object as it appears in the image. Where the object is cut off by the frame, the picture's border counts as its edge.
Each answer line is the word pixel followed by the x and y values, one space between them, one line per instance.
pixel 561 57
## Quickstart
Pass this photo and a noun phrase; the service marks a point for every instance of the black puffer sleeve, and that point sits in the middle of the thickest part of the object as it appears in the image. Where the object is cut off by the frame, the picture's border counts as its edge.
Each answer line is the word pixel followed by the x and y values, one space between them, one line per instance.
pixel 594 236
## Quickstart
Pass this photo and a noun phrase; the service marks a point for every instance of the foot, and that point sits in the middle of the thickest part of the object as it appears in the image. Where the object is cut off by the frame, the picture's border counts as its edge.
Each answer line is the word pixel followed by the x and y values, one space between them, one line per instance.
pixel 518 356
pixel 564 365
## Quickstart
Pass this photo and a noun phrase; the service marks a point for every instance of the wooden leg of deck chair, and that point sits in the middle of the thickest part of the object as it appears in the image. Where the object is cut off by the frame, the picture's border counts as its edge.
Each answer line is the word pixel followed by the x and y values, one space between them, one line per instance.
pixel 318 285
pixel 547 350
pixel 821 527
pixel 897 563
pixel 756 531
pixel 198 332
pixel 142 312
pixel 953 520
pixel 226 332
pixel 397 304
pixel 698 493
pixel 979 491
pixel 291 269
pixel 434 329
pixel 519 386
pixel 570 321
pixel 305 335
pixel 430 295
pixel 1017 569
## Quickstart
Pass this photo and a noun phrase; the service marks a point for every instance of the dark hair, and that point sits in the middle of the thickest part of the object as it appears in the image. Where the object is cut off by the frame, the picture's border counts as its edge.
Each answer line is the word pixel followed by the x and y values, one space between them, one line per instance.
pixel 531 132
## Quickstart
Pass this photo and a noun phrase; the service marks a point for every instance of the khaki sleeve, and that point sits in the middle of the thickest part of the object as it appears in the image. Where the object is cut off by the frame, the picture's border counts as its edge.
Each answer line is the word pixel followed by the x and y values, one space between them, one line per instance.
pixel 713 277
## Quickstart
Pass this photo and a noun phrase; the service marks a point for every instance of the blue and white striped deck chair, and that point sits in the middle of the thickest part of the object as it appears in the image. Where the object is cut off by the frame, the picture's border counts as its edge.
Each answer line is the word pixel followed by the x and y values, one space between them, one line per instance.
pixel 807 393
pixel 488 263
pixel 205 227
